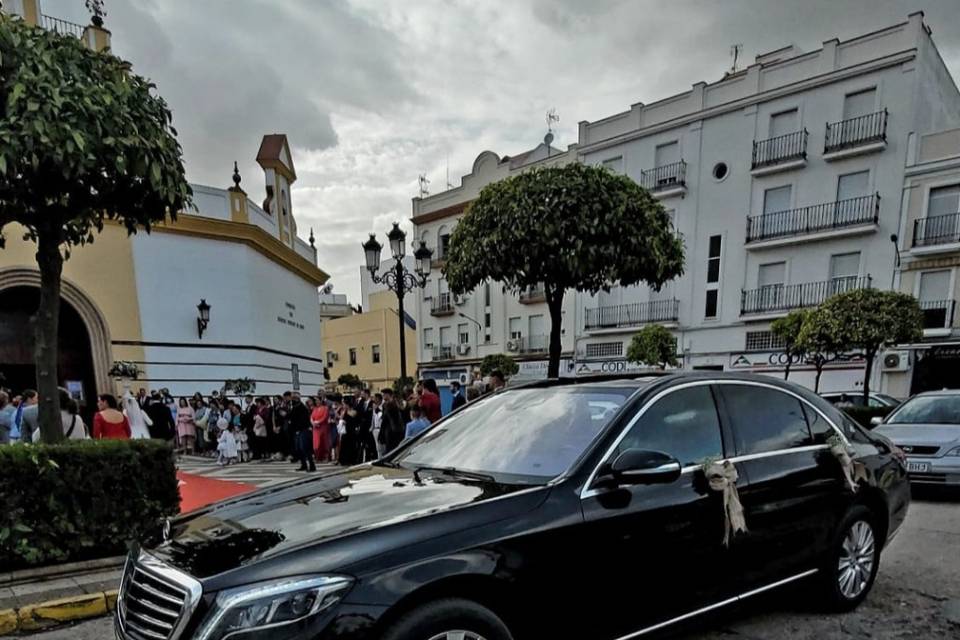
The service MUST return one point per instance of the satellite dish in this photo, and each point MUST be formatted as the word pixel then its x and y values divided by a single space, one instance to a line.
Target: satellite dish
pixel 548 139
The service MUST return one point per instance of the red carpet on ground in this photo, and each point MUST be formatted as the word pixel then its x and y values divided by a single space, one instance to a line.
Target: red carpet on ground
pixel 197 491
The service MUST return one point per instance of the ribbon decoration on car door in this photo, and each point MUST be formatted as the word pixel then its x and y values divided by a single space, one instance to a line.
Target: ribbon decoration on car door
pixel 853 470
pixel 722 478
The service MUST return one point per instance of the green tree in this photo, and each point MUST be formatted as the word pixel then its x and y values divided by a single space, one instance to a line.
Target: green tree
pixel 788 329
pixel 84 141
pixel 819 343
pixel 653 345
pixel 570 227
pixel 868 320
pixel 350 381
pixel 402 383
pixel 507 365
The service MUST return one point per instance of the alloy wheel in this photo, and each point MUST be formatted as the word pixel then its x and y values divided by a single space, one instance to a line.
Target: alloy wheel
pixel 856 559
pixel 458 635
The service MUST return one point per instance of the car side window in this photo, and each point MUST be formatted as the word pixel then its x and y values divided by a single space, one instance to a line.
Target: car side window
pixel 820 429
pixel 683 424
pixel 764 419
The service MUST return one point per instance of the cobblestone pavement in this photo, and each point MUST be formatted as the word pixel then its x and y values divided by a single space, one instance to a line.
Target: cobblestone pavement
pixel 916 595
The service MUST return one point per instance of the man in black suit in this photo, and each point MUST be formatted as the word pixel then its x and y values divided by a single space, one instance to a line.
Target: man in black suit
pixel 392 426
pixel 458 399
pixel 303 431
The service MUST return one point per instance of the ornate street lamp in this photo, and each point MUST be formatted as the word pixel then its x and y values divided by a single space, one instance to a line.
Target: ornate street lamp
pixel 204 318
pixel 398 279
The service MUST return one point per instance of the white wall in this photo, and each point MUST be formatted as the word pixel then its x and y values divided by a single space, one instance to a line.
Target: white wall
pixel 247 293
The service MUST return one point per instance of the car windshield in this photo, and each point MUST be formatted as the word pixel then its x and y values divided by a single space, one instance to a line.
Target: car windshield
pixel 928 410
pixel 890 400
pixel 524 436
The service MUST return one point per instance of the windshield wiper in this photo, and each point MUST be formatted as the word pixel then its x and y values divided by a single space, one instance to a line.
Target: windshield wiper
pixel 453 472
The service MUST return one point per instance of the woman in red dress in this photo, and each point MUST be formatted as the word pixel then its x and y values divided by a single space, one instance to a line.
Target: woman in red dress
pixel 109 423
pixel 320 419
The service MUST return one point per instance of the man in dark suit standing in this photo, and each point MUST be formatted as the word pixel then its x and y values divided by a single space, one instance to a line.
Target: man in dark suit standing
pixel 368 445
pixel 392 426
pixel 458 399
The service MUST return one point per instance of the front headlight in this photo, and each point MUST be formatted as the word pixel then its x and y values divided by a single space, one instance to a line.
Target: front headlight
pixel 954 452
pixel 271 604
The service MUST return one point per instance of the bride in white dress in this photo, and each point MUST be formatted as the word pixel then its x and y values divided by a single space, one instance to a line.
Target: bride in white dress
pixel 139 421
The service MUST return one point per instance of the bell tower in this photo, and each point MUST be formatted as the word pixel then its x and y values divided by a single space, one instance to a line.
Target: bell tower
pixel 277 163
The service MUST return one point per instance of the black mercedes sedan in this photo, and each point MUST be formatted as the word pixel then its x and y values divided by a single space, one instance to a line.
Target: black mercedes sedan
pixel 584 510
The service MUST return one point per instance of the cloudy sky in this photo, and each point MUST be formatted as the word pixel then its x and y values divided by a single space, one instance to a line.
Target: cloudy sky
pixel 373 92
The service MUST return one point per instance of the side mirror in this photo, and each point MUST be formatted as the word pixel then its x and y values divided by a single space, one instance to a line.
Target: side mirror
pixel 876 421
pixel 638 466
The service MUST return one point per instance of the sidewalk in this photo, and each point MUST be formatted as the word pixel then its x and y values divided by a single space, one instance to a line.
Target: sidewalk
pixel 33 599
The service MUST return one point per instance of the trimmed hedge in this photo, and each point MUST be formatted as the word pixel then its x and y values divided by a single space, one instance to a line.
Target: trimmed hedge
pixel 81 500
pixel 863 415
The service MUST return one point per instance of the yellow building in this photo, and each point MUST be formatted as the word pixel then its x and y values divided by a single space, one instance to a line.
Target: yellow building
pixel 139 298
pixel 368 344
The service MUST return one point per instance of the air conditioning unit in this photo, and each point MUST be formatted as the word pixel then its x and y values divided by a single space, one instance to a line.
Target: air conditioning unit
pixel 459 300
pixel 464 379
pixel 463 349
pixel 896 361
pixel 513 345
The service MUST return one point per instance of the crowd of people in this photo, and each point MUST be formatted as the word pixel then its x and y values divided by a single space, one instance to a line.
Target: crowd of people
pixel 347 429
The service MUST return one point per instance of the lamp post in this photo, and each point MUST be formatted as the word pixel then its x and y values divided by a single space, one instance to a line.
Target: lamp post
pixel 896 264
pixel 398 279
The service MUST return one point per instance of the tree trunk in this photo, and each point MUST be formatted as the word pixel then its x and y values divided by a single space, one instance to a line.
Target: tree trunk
pixel 555 304
pixel 47 325
pixel 786 372
pixel 816 383
pixel 869 354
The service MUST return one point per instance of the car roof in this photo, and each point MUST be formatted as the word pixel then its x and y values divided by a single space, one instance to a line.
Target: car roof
pixel 662 378
pixel 939 392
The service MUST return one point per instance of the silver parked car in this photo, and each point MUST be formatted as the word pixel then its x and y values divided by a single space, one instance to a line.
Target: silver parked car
pixel 855 398
pixel 927 428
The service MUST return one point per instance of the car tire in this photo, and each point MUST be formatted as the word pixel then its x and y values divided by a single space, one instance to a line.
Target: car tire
pixel 435 620
pixel 850 569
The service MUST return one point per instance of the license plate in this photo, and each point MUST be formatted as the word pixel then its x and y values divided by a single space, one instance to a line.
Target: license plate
pixel 918 467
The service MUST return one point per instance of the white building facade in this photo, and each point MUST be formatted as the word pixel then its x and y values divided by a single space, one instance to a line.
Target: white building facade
pixel 784 180
pixel 456 332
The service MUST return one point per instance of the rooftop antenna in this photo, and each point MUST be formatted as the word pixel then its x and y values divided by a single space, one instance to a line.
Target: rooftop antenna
pixel 552 118
pixel 735 51
pixel 422 179
pixel 449 186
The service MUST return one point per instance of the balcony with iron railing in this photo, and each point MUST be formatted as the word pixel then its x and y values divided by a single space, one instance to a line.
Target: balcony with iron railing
pixel 442 305
pixel 440 352
pixel 670 179
pixel 937 233
pixel 779 153
pixel 856 135
pixel 843 215
pixel 786 297
pixel 938 315
pixel 63 27
pixel 631 315
pixel 534 344
pixel 533 295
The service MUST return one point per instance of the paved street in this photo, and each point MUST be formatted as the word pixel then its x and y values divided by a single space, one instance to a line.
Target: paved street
pixel 919 581
pixel 260 474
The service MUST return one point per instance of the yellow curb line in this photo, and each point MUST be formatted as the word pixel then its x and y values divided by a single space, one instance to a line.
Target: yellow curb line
pixel 54 612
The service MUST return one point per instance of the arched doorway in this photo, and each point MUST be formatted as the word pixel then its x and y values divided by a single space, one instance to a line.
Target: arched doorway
pixel 85 325
pixel 74 355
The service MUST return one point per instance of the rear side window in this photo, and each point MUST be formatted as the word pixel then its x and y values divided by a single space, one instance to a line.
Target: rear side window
pixel 683 424
pixel 819 427
pixel 764 419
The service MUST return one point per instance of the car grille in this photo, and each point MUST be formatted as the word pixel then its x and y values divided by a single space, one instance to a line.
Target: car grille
pixel 920 450
pixel 933 478
pixel 154 601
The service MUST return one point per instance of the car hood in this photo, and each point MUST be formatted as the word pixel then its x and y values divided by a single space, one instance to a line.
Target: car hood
pixel 941 435
pixel 274 521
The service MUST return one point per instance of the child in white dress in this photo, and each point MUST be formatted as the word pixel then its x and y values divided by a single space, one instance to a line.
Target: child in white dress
pixel 243 446
pixel 227 446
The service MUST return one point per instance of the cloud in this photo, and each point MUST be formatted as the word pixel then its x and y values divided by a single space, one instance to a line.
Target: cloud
pixel 372 93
